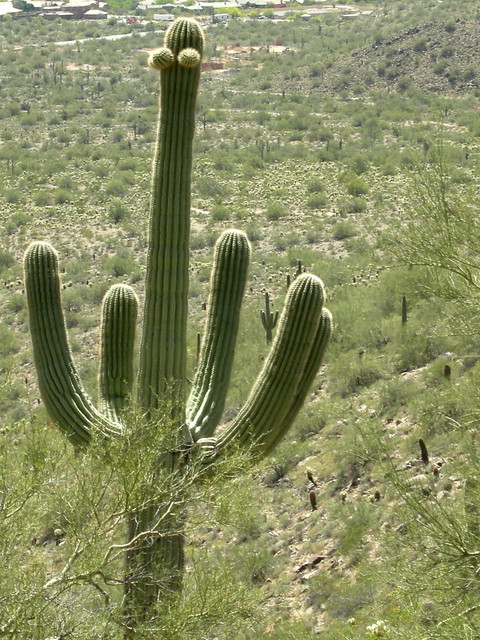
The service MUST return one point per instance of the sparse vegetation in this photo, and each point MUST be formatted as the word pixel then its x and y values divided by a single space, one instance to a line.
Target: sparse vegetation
pixel 353 148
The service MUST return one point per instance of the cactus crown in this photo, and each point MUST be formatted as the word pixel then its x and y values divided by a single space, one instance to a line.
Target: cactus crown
pixel 184 42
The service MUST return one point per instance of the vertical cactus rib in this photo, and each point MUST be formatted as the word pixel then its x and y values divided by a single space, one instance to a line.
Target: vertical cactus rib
pixel 274 399
pixel 163 347
pixel 115 377
pixel 312 366
pixel 60 386
pixel 228 281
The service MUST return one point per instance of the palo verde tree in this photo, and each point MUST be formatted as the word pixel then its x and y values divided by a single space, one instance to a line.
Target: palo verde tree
pixel 155 544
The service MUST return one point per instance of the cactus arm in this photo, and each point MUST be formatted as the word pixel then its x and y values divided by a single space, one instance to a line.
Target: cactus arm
pixel 62 392
pixel 163 345
pixel 312 366
pixel 228 281
pixel 275 397
pixel 115 377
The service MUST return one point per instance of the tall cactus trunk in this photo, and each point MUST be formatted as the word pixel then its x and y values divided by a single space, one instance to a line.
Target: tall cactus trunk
pixel 163 348
pixel 154 567
pixel 155 564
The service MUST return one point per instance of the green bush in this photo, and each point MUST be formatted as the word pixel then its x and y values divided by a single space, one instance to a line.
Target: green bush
pixel 420 45
pixel 12 196
pixel 356 187
pixel 344 229
pixel 275 210
pixel 220 213
pixel 6 259
pixel 358 164
pixel 42 198
pixel 317 201
pixel 447 52
pixel 115 188
pixel 117 211
pixel 355 205
pixel 62 196
pixel 315 186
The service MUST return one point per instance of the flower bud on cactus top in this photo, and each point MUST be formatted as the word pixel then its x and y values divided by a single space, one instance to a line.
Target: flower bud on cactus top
pixel 161 58
pixel 189 58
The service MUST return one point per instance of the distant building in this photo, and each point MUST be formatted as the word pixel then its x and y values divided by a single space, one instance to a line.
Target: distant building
pixel 163 17
pixel 53 15
pixel 211 7
pixel 95 14
pixel 7 9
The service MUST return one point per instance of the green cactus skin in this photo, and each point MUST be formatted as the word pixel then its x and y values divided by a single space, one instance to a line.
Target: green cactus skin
pixel 163 349
pixel 154 565
pixel 62 392
pixel 404 311
pixel 310 371
pixel 294 358
pixel 116 371
pixel 228 280
pixel 269 319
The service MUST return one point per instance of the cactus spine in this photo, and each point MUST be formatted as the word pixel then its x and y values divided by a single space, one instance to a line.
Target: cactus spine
pixel 277 395
pixel 268 318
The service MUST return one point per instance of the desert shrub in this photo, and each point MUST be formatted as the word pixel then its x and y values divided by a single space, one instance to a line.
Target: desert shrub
pixel 350 373
pixel 207 187
pixel 344 229
pixel 470 73
pixel 220 213
pixel 315 186
pixel 275 210
pixel 356 187
pixel 66 182
pixel 388 169
pixel 121 264
pixel 42 198
pixel 317 201
pixel 403 82
pixel 12 196
pixel 447 52
pixel 440 67
pixel 117 211
pixel 62 196
pixel 115 187
pixel 420 45
pixel 358 164
pixel 20 219
pixel 6 259
pixel 394 395
pixel 355 205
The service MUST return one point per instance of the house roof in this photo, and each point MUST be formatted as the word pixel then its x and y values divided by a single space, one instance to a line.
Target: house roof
pixel 230 4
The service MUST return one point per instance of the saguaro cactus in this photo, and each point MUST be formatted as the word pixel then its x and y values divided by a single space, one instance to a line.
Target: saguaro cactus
pixel 268 318
pixel 277 395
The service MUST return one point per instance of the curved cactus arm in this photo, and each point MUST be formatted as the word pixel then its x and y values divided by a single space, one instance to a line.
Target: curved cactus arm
pixel 163 345
pixel 275 397
pixel 62 392
pixel 311 369
pixel 115 376
pixel 228 281
pixel 268 318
